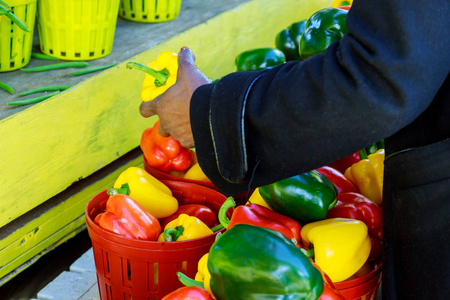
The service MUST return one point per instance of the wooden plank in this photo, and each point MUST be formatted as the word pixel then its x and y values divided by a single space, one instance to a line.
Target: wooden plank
pixel 55 143
pixel 130 39
pixel 53 226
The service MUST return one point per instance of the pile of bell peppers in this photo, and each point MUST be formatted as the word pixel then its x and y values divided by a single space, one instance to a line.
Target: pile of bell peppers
pixel 142 207
pixel 334 229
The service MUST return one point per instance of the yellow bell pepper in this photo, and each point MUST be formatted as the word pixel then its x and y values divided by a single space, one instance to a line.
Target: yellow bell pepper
pixel 337 3
pixel 256 198
pixel 195 173
pixel 160 74
pixel 340 246
pixel 367 175
pixel 203 274
pixel 184 228
pixel 147 190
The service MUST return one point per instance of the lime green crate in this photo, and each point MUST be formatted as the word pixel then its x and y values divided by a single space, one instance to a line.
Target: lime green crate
pixel 77 29
pixel 149 11
pixel 16 44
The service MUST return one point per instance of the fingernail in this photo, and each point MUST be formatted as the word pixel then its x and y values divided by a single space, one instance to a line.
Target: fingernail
pixel 184 48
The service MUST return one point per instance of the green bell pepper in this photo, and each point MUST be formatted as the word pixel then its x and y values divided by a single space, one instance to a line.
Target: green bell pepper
pixel 321 30
pixel 305 198
pixel 288 40
pixel 259 59
pixel 249 262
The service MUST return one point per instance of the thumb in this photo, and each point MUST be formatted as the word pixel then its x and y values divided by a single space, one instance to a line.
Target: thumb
pixel 186 62
pixel 148 108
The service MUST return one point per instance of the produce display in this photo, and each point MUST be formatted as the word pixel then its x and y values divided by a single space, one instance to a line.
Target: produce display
pixel 303 237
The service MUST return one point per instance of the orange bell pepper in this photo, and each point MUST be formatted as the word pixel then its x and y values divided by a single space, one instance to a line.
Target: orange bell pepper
pixel 126 217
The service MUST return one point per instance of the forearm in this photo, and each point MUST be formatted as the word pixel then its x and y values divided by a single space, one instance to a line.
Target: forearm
pixel 303 115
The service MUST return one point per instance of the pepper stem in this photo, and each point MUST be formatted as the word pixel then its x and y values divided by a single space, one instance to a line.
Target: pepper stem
pixel 186 281
pixel 309 253
pixel 124 189
pixel 160 76
pixel 172 234
pixel 363 154
pixel 332 204
pixel 217 228
pixel 222 216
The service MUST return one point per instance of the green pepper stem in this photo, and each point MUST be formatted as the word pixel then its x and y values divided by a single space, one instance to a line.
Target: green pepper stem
pixel 186 281
pixel 160 76
pixel 172 234
pixel 217 228
pixel 332 204
pixel 309 253
pixel 222 216
pixel 380 144
pixel 363 154
pixel 124 189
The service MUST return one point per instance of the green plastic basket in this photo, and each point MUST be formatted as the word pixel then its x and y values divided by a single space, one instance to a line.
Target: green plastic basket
pixel 149 11
pixel 77 29
pixel 16 44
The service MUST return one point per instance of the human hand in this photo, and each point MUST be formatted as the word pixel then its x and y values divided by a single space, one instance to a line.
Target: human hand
pixel 172 106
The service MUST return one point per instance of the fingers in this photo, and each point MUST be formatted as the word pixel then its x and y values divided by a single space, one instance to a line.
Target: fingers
pixel 162 131
pixel 148 109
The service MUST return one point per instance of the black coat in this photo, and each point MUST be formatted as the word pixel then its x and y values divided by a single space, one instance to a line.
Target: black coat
pixel 387 79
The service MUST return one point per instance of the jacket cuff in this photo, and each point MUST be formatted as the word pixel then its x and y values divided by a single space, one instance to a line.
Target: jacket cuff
pixel 218 128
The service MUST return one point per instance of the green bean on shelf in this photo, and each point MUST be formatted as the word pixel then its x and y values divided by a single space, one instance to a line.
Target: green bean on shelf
pixel 46 89
pixel 91 70
pixel 6 87
pixel 64 65
pixel 43 56
pixel 33 100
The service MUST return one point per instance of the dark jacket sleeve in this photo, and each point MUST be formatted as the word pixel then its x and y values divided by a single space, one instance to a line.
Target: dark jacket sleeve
pixel 254 128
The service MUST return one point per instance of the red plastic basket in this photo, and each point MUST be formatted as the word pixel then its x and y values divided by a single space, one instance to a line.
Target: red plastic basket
pixel 135 269
pixel 165 176
pixel 362 288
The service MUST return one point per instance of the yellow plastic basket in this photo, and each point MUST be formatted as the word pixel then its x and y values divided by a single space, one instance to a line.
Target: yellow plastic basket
pixel 16 44
pixel 149 11
pixel 77 29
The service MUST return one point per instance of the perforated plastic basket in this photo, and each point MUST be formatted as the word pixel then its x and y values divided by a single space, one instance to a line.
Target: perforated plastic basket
pixel 149 11
pixel 362 288
pixel 134 269
pixel 77 29
pixel 16 44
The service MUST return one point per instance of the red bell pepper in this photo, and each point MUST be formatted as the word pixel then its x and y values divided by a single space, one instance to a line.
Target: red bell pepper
pixel 330 292
pixel 164 153
pixel 202 212
pixel 376 249
pixel 128 218
pixel 342 183
pixel 344 163
pixel 188 293
pixel 359 207
pixel 258 215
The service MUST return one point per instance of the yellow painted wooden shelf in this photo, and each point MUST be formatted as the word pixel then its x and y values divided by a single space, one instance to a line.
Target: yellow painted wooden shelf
pixel 55 155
